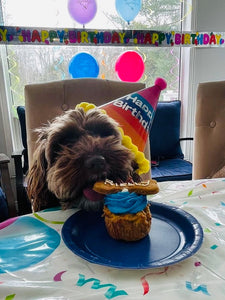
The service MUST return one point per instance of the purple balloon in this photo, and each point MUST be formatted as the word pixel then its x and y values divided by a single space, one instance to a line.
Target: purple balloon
pixel 82 11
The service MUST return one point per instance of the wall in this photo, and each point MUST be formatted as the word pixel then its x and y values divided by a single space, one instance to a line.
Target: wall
pixel 209 64
pixel 205 64
pixel 210 15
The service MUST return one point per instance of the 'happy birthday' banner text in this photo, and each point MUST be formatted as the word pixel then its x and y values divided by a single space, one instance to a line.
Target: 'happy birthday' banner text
pixel 90 37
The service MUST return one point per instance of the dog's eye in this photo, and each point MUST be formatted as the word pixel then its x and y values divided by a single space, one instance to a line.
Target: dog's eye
pixel 102 130
pixel 98 124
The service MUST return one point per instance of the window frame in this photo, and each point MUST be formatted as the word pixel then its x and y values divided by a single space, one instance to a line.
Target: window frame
pixel 11 129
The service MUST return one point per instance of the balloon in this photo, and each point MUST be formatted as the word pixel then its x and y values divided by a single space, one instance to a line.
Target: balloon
pixel 128 10
pixel 82 11
pixel 130 66
pixel 83 65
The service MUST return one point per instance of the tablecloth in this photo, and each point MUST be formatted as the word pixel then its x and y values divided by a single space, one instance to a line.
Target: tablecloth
pixel 35 263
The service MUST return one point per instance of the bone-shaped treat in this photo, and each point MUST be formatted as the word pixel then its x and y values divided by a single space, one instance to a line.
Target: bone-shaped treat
pixel 144 187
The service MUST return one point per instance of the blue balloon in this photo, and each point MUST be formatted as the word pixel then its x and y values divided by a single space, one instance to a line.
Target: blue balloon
pixel 83 65
pixel 127 9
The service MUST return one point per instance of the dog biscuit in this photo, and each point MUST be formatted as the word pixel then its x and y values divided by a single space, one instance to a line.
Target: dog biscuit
pixel 107 187
pixel 144 187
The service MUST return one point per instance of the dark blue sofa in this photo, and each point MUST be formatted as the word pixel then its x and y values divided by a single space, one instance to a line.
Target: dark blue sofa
pixel 166 154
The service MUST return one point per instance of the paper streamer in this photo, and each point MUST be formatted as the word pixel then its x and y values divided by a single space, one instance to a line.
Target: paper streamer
pixel 110 293
pixel 58 276
pixel 58 65
pixel 145 283
pixel 173 84
pixel 47 221
pixel 201 288
pixel 10 297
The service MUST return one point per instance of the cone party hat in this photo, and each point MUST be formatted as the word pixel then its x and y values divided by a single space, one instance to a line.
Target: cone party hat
pixel 135 112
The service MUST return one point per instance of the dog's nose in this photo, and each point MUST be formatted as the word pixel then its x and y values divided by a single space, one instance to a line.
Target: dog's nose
pixel 95 163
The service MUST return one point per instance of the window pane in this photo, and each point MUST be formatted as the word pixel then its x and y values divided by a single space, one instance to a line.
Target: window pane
pixel 40 64
pixel 35 64
pixel 154 14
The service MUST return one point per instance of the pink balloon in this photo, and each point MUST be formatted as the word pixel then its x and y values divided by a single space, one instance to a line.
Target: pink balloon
pixel 130 66
pixel 82 11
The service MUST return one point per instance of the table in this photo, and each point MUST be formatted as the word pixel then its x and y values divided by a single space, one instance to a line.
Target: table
pixel 57 273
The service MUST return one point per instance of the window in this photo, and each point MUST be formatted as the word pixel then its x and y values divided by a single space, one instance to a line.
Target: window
pixel 34 64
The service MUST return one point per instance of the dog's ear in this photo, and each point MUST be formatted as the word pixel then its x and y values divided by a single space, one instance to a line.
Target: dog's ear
pixel 65 129
pixel 37 189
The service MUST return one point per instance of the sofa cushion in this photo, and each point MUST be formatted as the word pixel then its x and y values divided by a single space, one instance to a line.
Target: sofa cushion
pixel 165 131
pixel 172 169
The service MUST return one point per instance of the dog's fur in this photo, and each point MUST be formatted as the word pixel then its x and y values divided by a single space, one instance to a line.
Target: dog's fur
pixel 73 152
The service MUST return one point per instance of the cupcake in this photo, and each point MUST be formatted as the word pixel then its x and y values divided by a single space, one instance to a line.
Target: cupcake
pixel 127 216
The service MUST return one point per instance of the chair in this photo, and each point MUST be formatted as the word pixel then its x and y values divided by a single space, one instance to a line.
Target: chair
pixel 7 200
pixel 209 137
pixel 45 101
pixel 168 161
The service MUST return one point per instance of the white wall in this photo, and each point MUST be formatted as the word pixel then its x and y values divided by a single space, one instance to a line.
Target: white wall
pixel 205 64
pixel 209 63
pixel 210 15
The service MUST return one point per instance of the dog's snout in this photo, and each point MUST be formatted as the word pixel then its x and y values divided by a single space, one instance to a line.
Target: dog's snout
pixel 96 163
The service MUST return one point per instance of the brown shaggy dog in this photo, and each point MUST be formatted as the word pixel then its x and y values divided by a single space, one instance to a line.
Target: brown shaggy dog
pixel 73 152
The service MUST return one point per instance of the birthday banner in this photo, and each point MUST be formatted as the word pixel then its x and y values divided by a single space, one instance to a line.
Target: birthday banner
pixel 91 37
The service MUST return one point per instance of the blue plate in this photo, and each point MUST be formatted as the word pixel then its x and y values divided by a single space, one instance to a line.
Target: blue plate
pixel 174 236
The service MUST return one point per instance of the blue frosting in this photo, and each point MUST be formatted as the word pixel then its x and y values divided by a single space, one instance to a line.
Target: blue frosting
pixel 125 202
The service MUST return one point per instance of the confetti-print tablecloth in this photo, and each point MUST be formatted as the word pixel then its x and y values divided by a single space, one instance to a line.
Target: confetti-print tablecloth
pixel 56 272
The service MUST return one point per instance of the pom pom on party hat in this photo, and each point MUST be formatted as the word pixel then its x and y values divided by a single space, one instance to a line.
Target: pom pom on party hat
pixel 135 112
